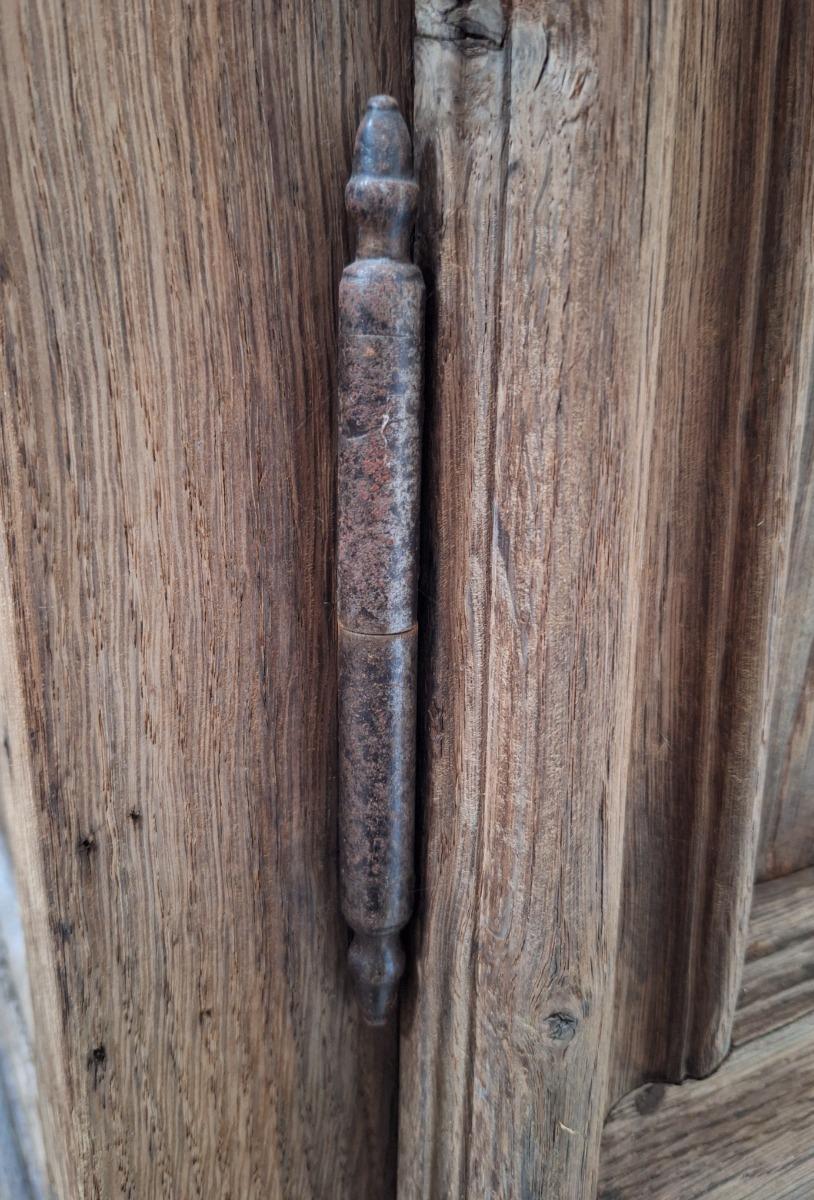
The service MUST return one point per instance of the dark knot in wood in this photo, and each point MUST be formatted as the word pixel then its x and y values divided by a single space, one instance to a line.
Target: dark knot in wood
pixel 381 307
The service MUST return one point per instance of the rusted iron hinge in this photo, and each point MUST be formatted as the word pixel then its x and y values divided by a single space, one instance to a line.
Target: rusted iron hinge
pixel 381 335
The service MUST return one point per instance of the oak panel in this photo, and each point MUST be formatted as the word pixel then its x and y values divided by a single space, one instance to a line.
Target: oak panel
pixel 785 368
pixel 778 974
pixel 610 478
pixel 742 1134
pixel 744 1131
pixel 172 236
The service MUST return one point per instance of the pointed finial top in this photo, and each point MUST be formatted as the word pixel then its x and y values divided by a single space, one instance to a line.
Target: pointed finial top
pixel 382 193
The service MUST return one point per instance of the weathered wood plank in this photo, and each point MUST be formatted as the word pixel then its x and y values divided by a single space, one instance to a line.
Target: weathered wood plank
pixel 787 833
pixel 609 508
pixel 172 235
pixel 461 163
pixel 781 913
pixel 718 529
pixel 778 977
pixel 746 1130
pixel 742 1134
pixel 533 204
pixel 786 367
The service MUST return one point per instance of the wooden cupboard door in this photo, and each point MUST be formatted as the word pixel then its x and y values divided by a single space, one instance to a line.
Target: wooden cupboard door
pixel 618 205
pixel 173 231
pixel 615 226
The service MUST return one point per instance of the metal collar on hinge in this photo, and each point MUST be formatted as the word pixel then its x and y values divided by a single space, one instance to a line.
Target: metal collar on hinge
pixel 381 336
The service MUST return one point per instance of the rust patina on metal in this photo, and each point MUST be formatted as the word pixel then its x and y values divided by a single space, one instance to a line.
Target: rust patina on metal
pixel 381 320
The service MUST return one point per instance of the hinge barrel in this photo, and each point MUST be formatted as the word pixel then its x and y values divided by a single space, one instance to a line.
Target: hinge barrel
pixel 381 335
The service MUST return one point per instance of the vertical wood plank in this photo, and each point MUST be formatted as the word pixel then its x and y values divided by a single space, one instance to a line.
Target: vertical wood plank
pixel 608 506
pixel 460 161
pixel 172 236
pixel 530 146
pixel 715 530
pixel 785 367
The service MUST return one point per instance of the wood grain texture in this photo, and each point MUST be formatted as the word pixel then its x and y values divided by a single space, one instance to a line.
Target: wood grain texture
pixel 746 1131
pixel 742 1134
pixel 172 237
pixel 610 482
pixel 723 478
pixel 787 830
pixel 531 166
pixel 778 976
pixel 787 363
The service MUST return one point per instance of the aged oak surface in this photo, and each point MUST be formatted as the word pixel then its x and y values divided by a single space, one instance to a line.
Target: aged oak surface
pixel 530 143
pixel 745 1131
pixel 787 830
pixel 778 975
pixel 615 207
pixel 731 393
pixel 742 1134
pixel 172 235
pixel 616 228
pixel 787 364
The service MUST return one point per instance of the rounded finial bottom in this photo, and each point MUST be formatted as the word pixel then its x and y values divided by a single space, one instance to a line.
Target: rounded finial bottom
pixel 376 962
